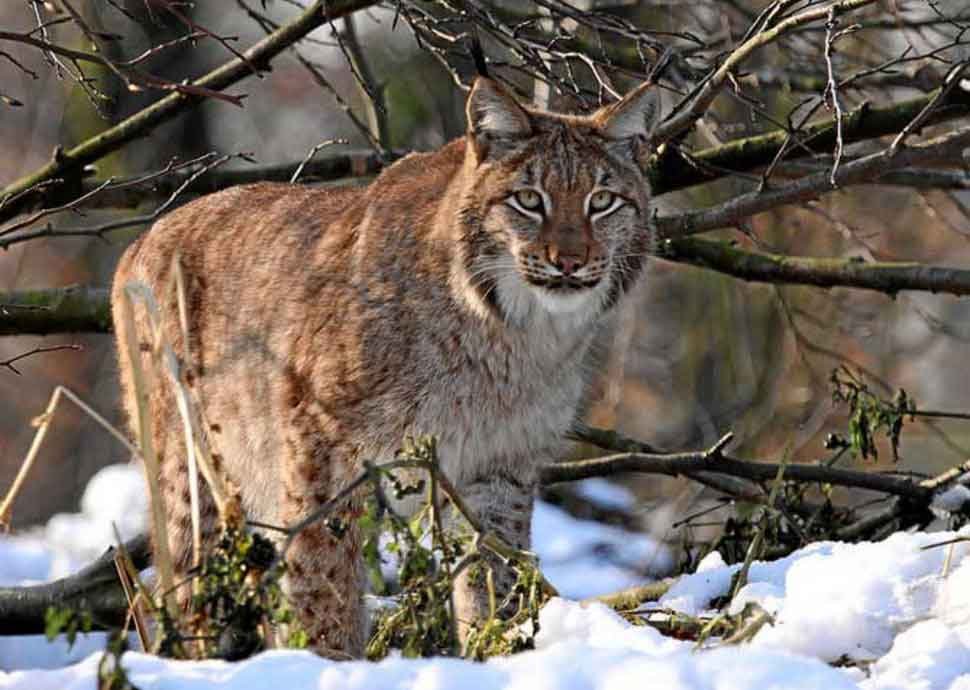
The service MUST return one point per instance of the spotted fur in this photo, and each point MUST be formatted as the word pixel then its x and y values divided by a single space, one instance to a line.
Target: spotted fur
pixel 327 324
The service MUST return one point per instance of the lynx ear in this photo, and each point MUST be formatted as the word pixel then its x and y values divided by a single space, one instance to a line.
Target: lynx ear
pixel 635 115
pixel 493 113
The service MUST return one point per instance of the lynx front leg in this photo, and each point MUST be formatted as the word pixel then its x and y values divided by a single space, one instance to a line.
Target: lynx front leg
pixel 503 507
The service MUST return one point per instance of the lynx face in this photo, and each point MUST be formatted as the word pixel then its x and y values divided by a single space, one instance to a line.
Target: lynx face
pixel 562 200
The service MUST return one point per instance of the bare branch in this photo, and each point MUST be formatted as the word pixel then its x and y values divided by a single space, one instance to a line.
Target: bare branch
pixel 670 172
pixel 9 363
pixel 70 163
pixel 886 277
pixel 715 461
pixel 698 103
pixel 135 191
pixel 372 91
pixel 16 234
pixel 675 170
pixel 946 148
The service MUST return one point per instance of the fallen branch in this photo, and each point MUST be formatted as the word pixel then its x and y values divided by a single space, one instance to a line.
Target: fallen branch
pixel 715 461
pixel 94 589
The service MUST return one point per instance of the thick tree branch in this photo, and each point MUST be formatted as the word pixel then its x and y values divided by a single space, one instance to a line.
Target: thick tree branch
pixel 68 165
pixel 74 309
pixel 887 277
pixel 86 309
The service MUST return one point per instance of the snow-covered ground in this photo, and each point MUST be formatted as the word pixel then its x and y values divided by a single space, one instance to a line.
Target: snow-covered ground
pixel 875 616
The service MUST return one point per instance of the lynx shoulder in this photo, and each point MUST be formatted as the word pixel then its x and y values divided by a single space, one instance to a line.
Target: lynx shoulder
pixel 459 295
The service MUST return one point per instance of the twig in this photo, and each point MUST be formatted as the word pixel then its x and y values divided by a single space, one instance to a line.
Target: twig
pixel 832 88
pixel 268 25
pixel 7 240
pixel 9 363
pixel 952 80
pixel 311 153
pixel 134 191
pixel 364 76
pixel 127 575
pixel 631 598
pixel 754 548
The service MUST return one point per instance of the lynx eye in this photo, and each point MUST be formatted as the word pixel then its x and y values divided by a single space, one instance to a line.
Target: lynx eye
pixel 601 200
pixel 529 199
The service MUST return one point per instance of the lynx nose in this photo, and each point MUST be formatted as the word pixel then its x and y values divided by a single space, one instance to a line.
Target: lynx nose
pixel 567 261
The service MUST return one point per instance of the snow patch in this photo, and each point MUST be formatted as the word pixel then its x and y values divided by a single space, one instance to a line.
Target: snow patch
pixel 898 610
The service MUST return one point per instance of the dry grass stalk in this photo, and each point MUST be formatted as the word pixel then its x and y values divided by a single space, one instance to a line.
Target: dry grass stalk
pixel 162 555
pixel 43 423
pixel 134 598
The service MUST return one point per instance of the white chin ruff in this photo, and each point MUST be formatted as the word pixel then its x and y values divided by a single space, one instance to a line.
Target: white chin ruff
pixel 565 302
pixel 523 302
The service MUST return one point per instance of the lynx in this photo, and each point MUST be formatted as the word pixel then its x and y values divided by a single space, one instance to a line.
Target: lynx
pixel 462 294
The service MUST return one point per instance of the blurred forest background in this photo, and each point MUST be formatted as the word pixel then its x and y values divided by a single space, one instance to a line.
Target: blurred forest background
pixel 700 353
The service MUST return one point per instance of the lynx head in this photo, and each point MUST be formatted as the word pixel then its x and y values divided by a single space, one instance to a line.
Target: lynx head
pixel 554 214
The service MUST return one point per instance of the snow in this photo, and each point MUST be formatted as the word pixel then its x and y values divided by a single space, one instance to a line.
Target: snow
pixel 952 500
pixel 898 612
pixel 113 499
pixel 584 559
pixel 606 494
pixel 585 648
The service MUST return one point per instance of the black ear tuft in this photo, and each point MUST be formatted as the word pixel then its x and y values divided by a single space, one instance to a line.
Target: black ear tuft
pixel 494 115
pixel 478 55
pixel 635 115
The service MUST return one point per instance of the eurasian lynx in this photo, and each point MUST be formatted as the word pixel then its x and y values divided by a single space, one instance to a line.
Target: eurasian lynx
pixel 461 295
